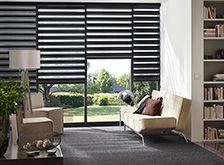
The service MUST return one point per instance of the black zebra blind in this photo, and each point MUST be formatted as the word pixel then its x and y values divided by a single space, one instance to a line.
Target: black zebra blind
pixel 146 43
pixel 61 40
pixel 17 31
pixel 67 34
pixel 109 31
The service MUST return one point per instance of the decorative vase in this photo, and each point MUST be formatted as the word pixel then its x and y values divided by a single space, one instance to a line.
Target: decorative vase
pixel 4 134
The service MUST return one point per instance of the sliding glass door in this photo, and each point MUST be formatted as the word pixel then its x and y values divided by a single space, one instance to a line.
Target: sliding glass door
pixel 106 79
pixel 75 37
pixel 68 96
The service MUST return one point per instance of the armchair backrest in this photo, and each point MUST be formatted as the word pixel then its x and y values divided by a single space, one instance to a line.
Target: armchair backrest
pixel 37 100
pixel 174 106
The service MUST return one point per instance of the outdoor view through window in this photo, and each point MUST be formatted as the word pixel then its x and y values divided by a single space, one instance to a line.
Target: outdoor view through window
pixel 106 78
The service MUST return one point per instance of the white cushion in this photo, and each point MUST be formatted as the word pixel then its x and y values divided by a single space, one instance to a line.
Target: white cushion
pixel 36 120
pixel 47 109
pixel 141 123
pixel 175 111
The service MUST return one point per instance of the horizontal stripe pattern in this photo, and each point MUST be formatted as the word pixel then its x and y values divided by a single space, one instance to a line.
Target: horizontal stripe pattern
pixel 61 39
pixel 17 31
pixel 67 34
pixel 146 43
pixel 109 31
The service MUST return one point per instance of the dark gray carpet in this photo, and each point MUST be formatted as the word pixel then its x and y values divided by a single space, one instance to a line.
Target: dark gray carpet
pixel 112 146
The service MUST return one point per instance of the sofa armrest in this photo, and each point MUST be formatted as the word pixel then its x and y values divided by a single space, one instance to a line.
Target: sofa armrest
pixel 126 110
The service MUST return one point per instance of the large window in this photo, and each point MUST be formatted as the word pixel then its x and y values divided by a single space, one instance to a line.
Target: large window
pixel 70 34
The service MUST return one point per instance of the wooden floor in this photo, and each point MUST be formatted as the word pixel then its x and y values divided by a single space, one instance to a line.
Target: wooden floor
pixel 215 147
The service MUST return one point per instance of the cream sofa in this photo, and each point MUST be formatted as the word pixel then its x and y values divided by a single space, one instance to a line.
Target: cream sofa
pixel 174 113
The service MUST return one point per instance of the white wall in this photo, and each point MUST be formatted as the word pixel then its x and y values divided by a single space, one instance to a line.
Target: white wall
pixel 176 50
pixel 176 47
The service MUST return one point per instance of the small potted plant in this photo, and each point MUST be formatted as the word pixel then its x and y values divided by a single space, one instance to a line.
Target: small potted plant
pixel 11 96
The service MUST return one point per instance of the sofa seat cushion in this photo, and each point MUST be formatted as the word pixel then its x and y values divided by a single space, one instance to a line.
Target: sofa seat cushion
pixel 126 110
pixel 141 123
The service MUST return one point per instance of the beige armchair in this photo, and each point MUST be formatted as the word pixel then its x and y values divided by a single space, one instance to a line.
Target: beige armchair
pixel 56 114
pixel 29 129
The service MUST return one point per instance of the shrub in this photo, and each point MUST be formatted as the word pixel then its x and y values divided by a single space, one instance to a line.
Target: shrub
pixel 71 100
pixel 54 101
pixel 95 99
pixel 68 100
pixel 102 100
pixel 112 99
pixel 89 99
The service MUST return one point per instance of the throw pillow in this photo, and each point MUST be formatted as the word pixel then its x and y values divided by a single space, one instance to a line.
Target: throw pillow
pixel 153 107
pixel 142 104
pixel 143 100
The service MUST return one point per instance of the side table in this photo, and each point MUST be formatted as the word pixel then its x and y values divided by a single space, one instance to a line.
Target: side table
pixel 15 156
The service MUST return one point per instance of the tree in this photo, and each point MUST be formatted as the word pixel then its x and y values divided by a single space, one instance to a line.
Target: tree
pixel 124 81
pixel 62 87
pixel 45 90
pixel 143 88
pixel 77 88
pixel 74 88
pixel 104 81
pixel 91 84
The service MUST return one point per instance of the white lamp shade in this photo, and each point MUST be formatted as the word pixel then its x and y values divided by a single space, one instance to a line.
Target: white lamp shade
pixel 24 59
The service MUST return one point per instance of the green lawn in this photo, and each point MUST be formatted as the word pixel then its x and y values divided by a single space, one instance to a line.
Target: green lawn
pixel 95 113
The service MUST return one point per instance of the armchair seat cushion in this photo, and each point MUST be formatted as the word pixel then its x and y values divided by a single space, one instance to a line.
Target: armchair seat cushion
pixel 141 123
pixel 36 120
pixel 34 128
pixel 56 114
pixel 47 112
pixel 46 109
